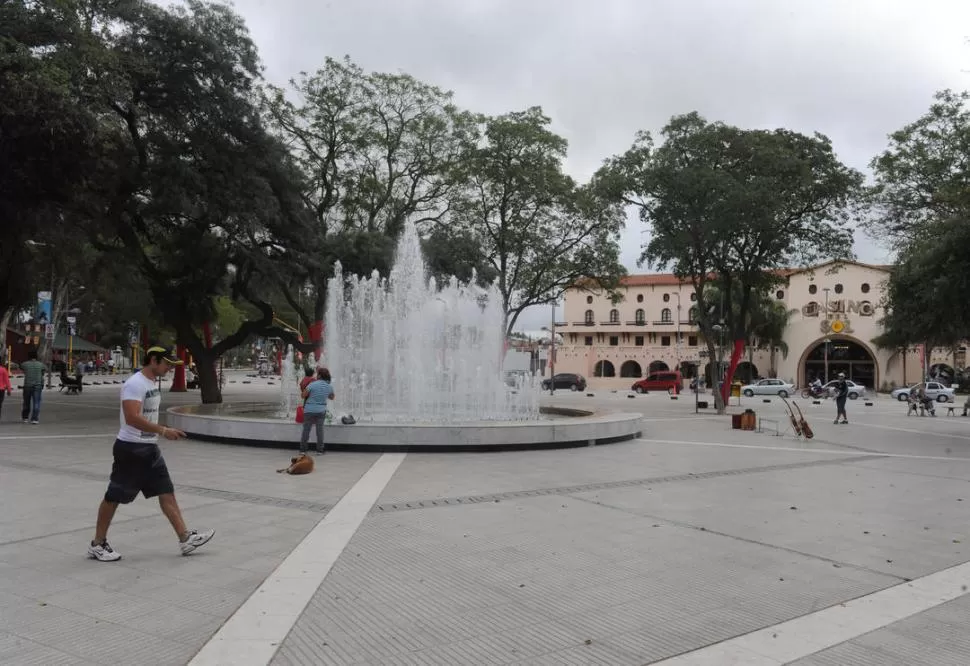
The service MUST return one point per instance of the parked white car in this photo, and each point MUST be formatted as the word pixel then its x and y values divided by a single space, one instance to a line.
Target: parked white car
pixel 855 390
pixel 934 390
pixel 768 387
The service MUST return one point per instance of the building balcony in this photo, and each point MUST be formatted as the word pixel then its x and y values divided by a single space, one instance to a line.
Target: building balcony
pixel 637 323
pixel 663 323
pixel 609 323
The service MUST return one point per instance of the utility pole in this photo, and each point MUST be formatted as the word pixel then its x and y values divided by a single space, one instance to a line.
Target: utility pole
pixel 552 351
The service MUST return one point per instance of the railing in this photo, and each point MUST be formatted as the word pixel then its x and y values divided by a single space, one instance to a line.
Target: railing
pixel 669 322
pixel 642 322
pixel 583 323
pixel 609 323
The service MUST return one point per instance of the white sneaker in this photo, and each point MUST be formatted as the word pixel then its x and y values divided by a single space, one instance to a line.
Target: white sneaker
pixel 34 422
pixel 195 540
pixel 103 552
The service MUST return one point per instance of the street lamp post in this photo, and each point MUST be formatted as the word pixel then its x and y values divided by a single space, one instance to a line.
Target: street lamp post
pixel 719 329
pixel 677 294
pixel 552 351
pixel 825 351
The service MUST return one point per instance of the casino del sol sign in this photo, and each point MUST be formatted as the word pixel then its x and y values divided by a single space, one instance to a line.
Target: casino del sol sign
pixel 836 319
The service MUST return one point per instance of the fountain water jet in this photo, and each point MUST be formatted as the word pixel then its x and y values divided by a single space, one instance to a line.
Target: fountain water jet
pixel 402 349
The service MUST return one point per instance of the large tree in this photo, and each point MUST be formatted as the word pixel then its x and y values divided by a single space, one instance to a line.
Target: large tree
pixel 376 150
pixel 735 205
pixel 923 177
pixel 46 145
pixel 539 231
pixel 922 209
pixel 191 191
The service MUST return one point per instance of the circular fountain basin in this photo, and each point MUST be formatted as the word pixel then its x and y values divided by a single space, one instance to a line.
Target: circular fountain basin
pixel 250 424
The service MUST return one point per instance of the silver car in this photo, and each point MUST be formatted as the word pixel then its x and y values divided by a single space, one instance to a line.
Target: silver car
pixel 934 390
pixel 855 390
pixel 768 387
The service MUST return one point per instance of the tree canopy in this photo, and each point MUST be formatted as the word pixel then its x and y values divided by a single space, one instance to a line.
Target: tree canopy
pixel 536 228
pixel 735 206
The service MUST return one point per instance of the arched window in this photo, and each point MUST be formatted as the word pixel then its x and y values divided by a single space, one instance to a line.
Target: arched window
pixel 589 317
pixel 630 369
pixel 614 316
pixel 641 317
pixel 811 309
pixel 665 316
pixel 692 315
pixel 604 369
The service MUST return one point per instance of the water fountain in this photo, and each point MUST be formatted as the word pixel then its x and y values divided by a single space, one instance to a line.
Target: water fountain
pixel 401 349
pixel 419 366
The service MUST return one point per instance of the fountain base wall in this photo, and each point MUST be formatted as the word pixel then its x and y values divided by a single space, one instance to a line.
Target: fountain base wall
pixel 228 424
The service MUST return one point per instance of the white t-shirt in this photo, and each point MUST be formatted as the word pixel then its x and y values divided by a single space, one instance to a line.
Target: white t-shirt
pixel 144 390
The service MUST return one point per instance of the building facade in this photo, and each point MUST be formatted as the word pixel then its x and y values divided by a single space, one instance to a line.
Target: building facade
pixel 836 309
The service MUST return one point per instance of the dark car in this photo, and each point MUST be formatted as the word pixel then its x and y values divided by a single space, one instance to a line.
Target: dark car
pixel 566 380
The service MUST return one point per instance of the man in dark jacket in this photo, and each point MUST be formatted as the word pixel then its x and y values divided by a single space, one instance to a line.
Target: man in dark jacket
pixel 841 395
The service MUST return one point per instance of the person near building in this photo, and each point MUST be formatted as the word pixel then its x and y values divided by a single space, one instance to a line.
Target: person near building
pixel 307 379
pixel 315 397
pixel 79 374
pixel 33 387
pixel 841 395
pixel 6 388
pixel 138 463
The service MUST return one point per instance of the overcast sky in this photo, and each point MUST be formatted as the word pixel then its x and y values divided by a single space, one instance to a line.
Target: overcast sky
pixel 854 70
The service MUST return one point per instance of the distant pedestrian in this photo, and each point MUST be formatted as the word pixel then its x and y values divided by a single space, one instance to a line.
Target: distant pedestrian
pixel 6 388
pixel 79 374
pixel 315 397
pixel 841 395
pixel 138 462
pixel 33 387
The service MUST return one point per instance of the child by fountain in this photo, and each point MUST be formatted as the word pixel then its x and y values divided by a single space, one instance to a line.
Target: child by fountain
pixel 315 397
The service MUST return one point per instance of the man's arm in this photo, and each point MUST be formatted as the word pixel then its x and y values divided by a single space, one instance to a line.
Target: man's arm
pixel 133 417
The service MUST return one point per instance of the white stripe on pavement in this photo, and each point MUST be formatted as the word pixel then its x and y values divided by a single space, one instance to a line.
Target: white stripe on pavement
pixel 256 630
pixel 795 639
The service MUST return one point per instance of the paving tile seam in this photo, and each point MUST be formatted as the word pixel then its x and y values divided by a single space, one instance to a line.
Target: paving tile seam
pixel 67 650
pixel 114 523
pixel 391 507
pixel 231 495
pixel 707 530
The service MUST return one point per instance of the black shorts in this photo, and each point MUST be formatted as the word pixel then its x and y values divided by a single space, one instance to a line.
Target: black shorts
pixel 137 468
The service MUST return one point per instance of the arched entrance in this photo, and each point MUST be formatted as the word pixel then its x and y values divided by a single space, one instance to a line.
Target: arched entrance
pixel 746 372
pixel 844 354
pixel 604 369
pixel 658 366
pixel 941 372
pixel 630 369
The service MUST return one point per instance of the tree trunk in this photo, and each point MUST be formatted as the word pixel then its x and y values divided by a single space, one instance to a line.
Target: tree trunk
pixel 207 365
pixel 719 402
pixel 772 359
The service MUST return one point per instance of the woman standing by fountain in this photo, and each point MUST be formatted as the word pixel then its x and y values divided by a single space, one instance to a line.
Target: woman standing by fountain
pixel 315 397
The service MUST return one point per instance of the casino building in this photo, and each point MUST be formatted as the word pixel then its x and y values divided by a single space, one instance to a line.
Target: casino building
pixel 837 308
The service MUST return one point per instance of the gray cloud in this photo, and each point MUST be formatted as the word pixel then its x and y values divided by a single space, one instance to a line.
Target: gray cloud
pixel 854 71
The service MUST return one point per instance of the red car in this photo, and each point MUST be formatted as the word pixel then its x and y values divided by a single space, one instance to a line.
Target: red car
pixel 659 381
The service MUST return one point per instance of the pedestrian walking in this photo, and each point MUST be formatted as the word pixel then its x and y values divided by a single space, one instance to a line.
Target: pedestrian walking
pixel 33 387
pixel 841 395
pixel 6 388
pixel 138 463
pixel 315 397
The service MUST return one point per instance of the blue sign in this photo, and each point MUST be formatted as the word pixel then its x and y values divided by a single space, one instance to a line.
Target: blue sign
pixel 43 314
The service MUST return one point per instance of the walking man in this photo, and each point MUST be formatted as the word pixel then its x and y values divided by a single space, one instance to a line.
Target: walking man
pixel 33 387
pixel 841 395
pixel 138 462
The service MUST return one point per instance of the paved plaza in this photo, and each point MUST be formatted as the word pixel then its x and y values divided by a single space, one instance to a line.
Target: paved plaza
pixel 696 544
